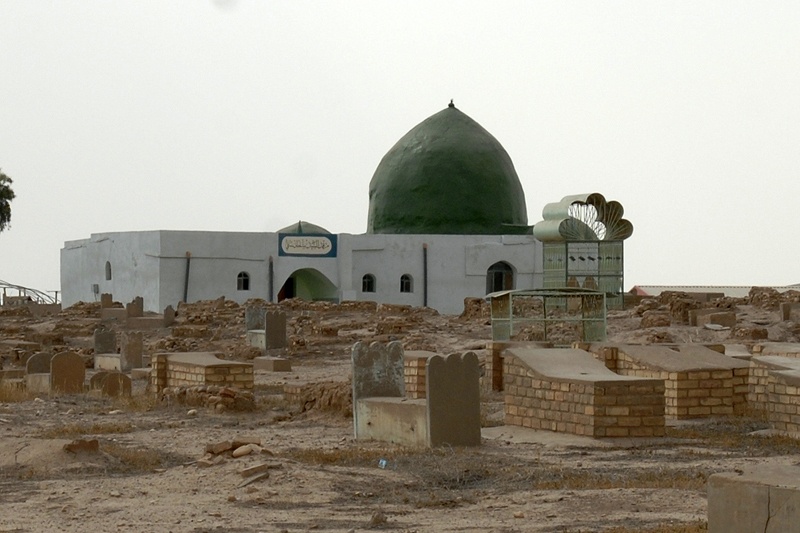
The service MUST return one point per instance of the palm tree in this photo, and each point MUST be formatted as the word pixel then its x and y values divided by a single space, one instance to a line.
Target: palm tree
pixel 6 195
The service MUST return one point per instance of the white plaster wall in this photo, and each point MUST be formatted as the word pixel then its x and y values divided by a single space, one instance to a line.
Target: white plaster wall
pixel 457 266
pixel 217 258
pixel 134 267
pixel 153 265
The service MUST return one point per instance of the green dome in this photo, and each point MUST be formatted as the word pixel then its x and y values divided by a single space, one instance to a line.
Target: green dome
pixel 447 175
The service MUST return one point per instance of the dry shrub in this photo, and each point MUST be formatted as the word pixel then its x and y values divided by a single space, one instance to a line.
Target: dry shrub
pixel 735 435
pixel 140 403
pixel 78 429
pixel 11 394
pixel 134 459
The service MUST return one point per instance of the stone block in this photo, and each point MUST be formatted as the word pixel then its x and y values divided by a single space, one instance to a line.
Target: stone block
pixel 131 348
pixel 272 364
pixel 257 338
pixel 38 383
pixel 105 340
pixel 764 499
pixel 135 308
pixel 107 361
pixel 275 329
pixel 255 317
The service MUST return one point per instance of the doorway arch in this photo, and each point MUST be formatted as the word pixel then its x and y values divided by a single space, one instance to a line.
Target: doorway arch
pixel 499 277
pixel 309 284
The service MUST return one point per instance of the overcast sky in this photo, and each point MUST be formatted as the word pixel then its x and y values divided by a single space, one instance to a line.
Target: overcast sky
pixel 251 115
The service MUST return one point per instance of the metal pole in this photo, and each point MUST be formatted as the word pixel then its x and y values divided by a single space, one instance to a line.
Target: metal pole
pixel 424 274
pixel 186 279
pixel 271 279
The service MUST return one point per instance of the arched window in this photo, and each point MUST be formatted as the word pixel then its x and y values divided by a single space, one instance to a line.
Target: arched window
pixel 406 283
pixel 368 283
pixel 243 281
pixel 499 277
pixel 108 270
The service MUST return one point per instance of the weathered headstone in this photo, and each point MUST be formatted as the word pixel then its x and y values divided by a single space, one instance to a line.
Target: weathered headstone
pixel 131 351
pixel 105 340
pixel 38 363
pixel 275 329
pixel 67 373
pixel 454 404
pixel 136 307
pixel 169 316
pixel 378 370
pixel 254 317
pixel 106 300
pixel 116 384
pixel 37 373
pixel 96 381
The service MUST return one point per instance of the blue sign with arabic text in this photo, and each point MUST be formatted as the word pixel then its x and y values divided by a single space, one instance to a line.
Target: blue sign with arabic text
pixel 306 245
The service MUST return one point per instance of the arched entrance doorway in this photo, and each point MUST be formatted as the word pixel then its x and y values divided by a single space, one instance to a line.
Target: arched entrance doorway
pixel 308 284
pixel 499 277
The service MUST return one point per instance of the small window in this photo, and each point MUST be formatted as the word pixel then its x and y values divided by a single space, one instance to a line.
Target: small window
pixel 108 270
pixel 243 281
pixel 406 283
pixel 368 283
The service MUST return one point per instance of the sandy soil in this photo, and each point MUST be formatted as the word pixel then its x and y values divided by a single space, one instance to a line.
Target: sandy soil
pixel 148 472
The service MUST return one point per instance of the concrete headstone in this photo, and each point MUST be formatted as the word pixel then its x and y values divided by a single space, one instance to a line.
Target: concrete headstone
pixel 131 351
pixel 254 317
pixel 105 341
pixel 454 404
pixel 169 316
pixel 67 373
pixel 38 363
pixel 378 370
pixel 136 307
pixel 275 329
pixel 116 384
pixel 106 300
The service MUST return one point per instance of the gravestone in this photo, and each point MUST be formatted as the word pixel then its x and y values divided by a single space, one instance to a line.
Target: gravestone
pixel 37 373
pixel 135 309
pixel 38 363
pixel 169 316
pixel 115 384
pixel 106 300
pixel 275 329
pixel 96 381
pixel 254 317
pixel 105 340
pixel 131 351
pixel 378 370
pixel 67 373
pixel 454 403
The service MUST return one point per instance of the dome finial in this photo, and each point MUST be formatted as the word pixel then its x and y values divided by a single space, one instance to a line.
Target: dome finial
pixel 451 104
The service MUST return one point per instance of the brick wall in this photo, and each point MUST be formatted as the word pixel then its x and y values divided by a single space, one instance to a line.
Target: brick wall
pixel 166 373
pixel 414 376
pixel 596 409
pixel 689 394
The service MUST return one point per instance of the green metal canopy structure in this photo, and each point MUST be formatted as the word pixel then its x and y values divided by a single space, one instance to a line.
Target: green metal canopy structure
pixel 447 176
pixel 582 238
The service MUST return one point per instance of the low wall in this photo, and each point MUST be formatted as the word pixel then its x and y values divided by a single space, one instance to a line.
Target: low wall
pixel 198 368
pixel 578 398
pixel 775 390
pixel 699 382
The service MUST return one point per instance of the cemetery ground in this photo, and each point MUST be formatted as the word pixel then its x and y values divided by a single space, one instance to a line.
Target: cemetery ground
pixel 82 462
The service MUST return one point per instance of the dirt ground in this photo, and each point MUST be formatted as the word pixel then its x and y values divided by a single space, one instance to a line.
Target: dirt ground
pixel 149 469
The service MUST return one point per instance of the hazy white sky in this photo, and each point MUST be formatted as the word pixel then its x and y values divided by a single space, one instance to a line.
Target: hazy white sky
pixel 250 115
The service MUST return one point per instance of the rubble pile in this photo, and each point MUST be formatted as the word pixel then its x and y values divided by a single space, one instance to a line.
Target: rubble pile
pixel 210 396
